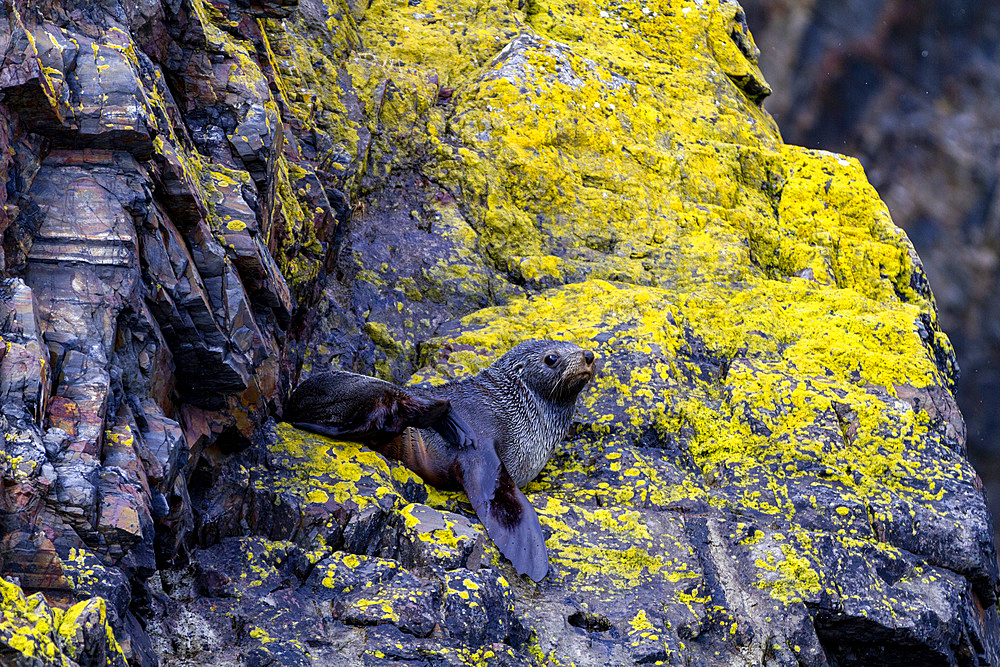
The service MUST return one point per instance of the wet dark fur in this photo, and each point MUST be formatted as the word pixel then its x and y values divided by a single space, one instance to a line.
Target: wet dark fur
pixel 489 434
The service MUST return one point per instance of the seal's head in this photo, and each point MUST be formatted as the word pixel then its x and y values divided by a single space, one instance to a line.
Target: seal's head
pixel 555 370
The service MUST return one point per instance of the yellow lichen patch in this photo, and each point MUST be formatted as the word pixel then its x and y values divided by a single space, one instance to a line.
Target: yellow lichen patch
pixel 317 496
pixel 319 470
pixel 42 634
pixel 622 523
pixel 375 610
pixel 487 656
pixel 83 569
pixel 602 554
pixel 443 499
pixel 345 572
pixel 640 622
pixel 444 539
pixel 28 623
pixel 261 559
pixel 262 636
pixel 455 39
pixel 462 587
pixel 788 575
pixel 404 475
pixel 82 618
pixel 832 222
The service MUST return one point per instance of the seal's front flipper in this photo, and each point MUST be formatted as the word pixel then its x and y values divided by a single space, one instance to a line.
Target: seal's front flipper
pixel 437 414
pixel 503 508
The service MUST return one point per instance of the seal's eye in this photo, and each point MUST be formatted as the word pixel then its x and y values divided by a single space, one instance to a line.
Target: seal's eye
pixel 551 359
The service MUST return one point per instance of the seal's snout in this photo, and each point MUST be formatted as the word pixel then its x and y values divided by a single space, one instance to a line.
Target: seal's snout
pixel 588 368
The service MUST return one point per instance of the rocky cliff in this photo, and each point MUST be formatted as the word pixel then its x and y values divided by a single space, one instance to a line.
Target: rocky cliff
pixel 207 200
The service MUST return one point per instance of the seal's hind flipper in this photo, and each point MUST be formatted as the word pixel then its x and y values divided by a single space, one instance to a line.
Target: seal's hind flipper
pixel 503 508
pixel 437 414
pixel 329 431
pixel 453 428
pixel 365 409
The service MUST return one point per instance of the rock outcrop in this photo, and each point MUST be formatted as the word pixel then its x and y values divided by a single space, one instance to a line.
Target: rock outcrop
pixel 882 82
pixel 208 200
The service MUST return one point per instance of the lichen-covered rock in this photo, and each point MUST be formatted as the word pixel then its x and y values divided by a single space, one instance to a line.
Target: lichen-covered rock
pixel 344 558
pixel 863 85
pixel 34 633
pixel 772 433
pixel 207 201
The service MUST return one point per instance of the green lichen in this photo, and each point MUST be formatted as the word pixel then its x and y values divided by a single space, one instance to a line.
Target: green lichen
pixel 380 335
pixel 298 255
pixel 308 57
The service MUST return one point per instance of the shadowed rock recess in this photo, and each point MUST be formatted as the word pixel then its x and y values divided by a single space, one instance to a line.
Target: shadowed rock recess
pixel 208 200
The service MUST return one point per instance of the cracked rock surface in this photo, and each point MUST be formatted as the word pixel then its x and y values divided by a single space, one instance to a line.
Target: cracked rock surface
pixel 208 200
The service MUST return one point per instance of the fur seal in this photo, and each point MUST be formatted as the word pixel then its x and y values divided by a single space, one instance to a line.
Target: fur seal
pixel 489 434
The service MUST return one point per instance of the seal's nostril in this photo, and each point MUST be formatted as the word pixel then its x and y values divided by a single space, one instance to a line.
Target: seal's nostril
pixel 588 356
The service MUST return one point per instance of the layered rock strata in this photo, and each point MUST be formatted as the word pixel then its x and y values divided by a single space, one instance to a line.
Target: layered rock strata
pixel 208 200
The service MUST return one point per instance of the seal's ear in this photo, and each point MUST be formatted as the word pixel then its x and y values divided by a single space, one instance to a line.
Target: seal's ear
pixel 503 508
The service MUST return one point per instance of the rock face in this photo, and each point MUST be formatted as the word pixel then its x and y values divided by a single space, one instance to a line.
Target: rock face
pixel 208 200
pixel 880 80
